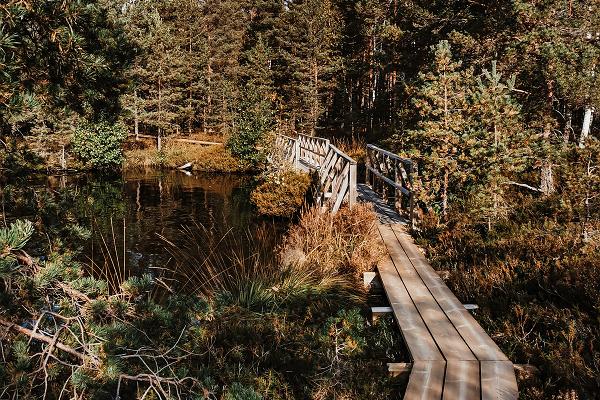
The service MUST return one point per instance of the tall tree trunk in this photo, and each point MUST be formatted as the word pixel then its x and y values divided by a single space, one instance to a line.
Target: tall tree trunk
pixel 315 97
pixel 445 193
pixel 159 141
pixel 546 174
pixel 190 98
pixel 136 116
pixel 568 126
pixel 588 118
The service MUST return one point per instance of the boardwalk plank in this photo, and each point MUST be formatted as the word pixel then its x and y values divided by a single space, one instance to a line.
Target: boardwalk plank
pixel 419 341
pixel 462 380
pixel 446 336
pixel 426 381
pixel 478 340
pixel 498 381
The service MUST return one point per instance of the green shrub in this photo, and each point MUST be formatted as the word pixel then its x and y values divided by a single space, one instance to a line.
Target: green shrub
pixel 254 120
pixel 100 145
pixel 240 392
pixel 282 193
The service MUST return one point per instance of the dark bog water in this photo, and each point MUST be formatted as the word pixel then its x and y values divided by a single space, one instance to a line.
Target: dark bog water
pixel 130 219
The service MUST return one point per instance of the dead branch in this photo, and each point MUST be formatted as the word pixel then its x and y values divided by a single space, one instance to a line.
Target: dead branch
pixel 524 185
pixel 49 340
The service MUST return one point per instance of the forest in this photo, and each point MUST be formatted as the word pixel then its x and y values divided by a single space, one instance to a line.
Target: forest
pixel 496 103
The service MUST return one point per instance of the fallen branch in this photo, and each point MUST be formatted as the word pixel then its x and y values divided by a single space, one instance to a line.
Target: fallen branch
pixel 49 340
pixel 524 185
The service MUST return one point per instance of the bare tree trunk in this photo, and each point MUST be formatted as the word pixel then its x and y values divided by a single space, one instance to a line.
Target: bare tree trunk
pixel 315 100
pixel 136 117
pixel 546 175
pixel 568 126
pixel 445 194
pixel 588 118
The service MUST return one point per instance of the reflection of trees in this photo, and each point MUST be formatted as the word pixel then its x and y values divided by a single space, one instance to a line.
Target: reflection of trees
pixel 126 215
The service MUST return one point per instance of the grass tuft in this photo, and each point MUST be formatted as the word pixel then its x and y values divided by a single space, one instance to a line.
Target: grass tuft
pixel 344 243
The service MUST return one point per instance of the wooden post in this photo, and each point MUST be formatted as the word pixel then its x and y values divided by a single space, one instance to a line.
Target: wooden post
pixel 397 193
pixel 411 197
pixel 367 165
pixel 63 159
pixel 352 184
pixel 297 153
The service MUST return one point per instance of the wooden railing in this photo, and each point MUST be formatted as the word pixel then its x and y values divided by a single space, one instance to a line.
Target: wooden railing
pixel 313 150
pixel 337 179
pixel 336 171
pixel 391 177
pixel 286 149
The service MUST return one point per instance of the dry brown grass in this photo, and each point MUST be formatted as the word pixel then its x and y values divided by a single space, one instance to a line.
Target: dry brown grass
pixel 344 243
pixel 174 154
pixel 355 148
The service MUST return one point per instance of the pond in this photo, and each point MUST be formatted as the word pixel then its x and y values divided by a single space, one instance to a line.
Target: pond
pixel 130 224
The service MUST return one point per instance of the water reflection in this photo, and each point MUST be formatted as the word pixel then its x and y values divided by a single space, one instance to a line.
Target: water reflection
pixel 131 216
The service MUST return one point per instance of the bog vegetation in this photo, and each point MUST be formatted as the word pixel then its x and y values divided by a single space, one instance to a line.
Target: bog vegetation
pixel 239 325
pixel 496 103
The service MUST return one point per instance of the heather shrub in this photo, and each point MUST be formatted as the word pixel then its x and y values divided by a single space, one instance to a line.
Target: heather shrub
pixel 281 193
pixel 537 283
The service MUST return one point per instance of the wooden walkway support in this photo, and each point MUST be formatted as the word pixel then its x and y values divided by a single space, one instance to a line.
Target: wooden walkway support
pixel 453 357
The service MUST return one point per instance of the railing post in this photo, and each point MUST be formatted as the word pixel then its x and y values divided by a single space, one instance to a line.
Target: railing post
pixel 397 193
pixel 297 153
pixel 352 186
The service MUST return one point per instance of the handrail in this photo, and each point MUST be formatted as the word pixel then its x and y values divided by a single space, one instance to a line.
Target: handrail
pixel 386 168
pixel 342 154
pixel 337 179
pixel 337 172
pixel 287 150
pixel 389 181
pixel 389 154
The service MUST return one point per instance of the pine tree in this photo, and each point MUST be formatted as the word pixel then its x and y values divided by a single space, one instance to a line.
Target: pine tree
pixel 310 39
pixel 436 143
pixel 254 118
pixel 495 144
pixel 87 54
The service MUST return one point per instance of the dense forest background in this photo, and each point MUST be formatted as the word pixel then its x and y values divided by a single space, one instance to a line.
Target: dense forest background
pixel 494 101
pixel 344 67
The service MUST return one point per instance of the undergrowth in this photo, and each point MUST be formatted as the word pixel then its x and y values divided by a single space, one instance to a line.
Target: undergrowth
pixel 229 325
pixel 537 283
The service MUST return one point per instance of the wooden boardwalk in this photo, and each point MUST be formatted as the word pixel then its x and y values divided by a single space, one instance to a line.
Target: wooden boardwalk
pixel 453 357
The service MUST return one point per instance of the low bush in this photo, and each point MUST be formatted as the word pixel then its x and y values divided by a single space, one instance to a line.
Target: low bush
pixel 100 145
pixel 281 193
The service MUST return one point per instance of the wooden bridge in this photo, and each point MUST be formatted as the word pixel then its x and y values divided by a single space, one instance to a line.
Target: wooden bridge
pixel 453 357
